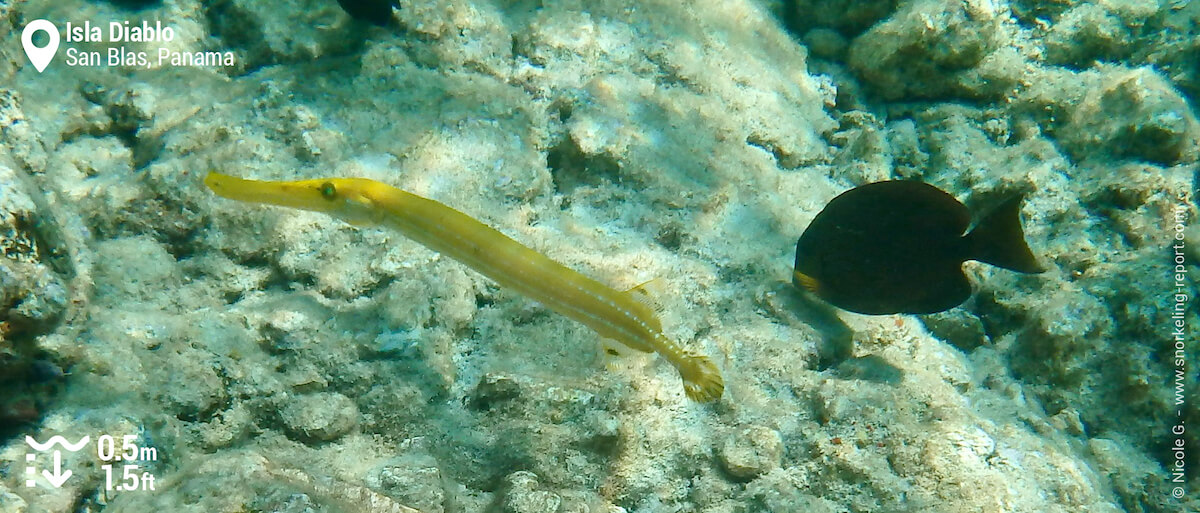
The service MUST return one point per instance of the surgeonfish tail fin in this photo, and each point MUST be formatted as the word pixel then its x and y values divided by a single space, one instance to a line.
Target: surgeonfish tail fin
pixel 999 240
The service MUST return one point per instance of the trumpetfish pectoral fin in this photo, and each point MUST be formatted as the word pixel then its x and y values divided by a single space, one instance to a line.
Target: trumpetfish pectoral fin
pixel 647 293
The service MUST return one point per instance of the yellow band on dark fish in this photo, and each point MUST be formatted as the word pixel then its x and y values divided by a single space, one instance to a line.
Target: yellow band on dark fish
pixel 805 281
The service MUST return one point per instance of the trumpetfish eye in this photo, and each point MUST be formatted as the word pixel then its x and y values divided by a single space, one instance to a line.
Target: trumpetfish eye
pixel 328 191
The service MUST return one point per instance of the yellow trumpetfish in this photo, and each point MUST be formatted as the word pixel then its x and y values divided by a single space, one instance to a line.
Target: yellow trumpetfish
pixel 614 314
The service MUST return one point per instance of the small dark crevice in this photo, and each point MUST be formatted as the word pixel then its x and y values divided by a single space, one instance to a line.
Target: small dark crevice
pixel 31 380
pixel 672 236
pixel 571 168
pixel 276 279
pixel 232 296
pixel 515 47
pixel 671 75
pixel 378 288
pixel 127 119
pixel 847 18
pixel 564 109
pixel 482 301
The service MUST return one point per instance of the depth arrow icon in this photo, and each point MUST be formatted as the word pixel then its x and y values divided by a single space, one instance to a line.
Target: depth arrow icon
pixel 58 477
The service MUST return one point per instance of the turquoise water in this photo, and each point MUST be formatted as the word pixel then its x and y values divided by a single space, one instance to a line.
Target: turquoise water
pixel 199 353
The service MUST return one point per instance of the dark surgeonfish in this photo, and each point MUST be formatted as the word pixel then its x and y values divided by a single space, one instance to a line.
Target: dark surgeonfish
pixel 898 247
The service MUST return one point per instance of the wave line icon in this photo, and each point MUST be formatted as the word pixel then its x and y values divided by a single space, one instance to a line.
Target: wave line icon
pixel 56 439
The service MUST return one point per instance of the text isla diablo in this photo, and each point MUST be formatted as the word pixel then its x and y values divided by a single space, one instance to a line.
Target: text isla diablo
pixel 118 32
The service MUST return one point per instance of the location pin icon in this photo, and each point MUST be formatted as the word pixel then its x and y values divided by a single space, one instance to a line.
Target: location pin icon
pixel 40 57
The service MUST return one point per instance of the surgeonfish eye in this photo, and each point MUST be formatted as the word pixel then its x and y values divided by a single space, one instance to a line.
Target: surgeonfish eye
pixel 328 191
